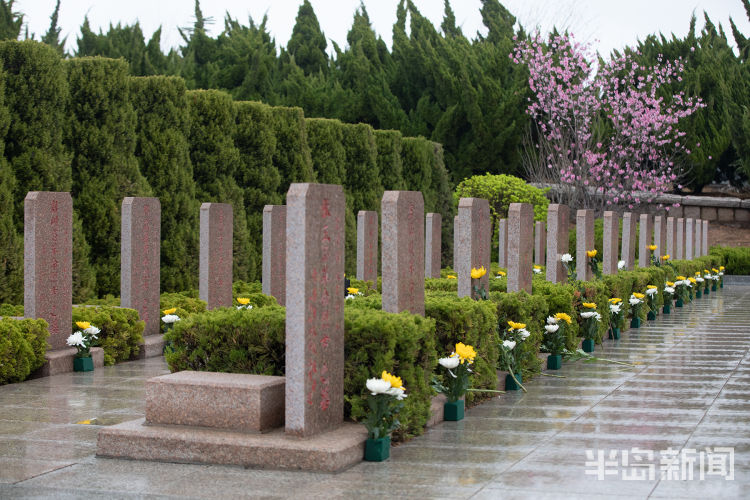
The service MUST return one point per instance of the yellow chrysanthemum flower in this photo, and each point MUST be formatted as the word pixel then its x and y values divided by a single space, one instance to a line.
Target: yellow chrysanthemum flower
pixel 451 277
pixel 537 267
pixel 651 247
pixel 705 271
pixel 638 295
pixel 714 270
pixel 516 326
pixel 589 305
pixel 501 273
pixel 564 317
pixel 652 287
pixel 697 273
pixel 352 290
pixel 693 280
pixel 83 324
pixel 615 300
pixel 681 278
pixel 478 273
pixel 170 311
pixel 591 253
pixel 721 268
pixel 243 300
pixel 465 352
pixel 395 381
pixel 665 257
pixel 670 283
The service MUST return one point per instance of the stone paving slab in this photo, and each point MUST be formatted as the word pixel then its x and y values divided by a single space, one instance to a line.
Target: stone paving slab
pixel 688 390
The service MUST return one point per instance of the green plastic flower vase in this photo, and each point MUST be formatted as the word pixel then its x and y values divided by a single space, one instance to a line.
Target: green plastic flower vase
pixel 510 384
pixel 706 291
pixel 83 364
pixel 554 361
pixel 651 316
pixel 614 333
pixel 587 345
pixel 453 411
pixel 377 450
pixel 698 294
pixel 722 285
pixel 678 303
pixel 667 309
pixel 635 323
pixel 713 287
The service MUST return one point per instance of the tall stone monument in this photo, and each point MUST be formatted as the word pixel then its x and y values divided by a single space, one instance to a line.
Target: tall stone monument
pixel 584 243
pixel 474 243
pixel 628 240
pixel 367 246
pixel 215 257
pixel 558 220
pixel 611 242
pixel 520 242
pixel 274 252
pixel 432 245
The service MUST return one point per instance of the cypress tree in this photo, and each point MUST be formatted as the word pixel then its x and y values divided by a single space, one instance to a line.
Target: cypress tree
pixel 256 176
pixel 10 22
pixel 325 138
pixel 216 160
pixel 292 154
pixel 163 155
pixel 11 245
pixel 52 37
pixel 101 135
pixel 388 143
pixel 308 44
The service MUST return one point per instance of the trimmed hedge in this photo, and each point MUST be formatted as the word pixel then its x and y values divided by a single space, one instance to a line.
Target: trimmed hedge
pixel 736 259
pixel 23 344
pixel 121 330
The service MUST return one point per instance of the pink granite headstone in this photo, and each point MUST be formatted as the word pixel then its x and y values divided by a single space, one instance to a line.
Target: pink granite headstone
pixel 520 246
pixel 475 240
pixel 432 242
pixel 502 243
pixel 610 242
pixel 704 246
pixel 671 237
pixel 584 243
pixel 140 259
pixel 274 252
pixel 455 242
pixel 628 240
pixel 689 239
pixel 698 243
pixel 315 308
pixel 215 276
pixel 680 239
pixel 540 243
pixel 558 220
pixel 660 236
pixel 367 246
pixel 402 231
pixel 48 262
pixel 645 233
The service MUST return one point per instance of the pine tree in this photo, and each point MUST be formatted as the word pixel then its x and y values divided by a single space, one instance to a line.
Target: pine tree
pixel 10 21
pixel 308 44
pixel 52 37
pixel 198 53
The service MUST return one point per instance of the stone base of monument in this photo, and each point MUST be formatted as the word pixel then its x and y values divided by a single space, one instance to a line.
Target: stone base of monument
pixel 61 361
pixel 152 347
pixel 230 419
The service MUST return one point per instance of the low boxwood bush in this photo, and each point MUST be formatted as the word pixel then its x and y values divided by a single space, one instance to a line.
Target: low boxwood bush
pixel 184 303
pixel 736 260
pixel 523 308
pixel 11 310
pixel 23 344
pixel 121 330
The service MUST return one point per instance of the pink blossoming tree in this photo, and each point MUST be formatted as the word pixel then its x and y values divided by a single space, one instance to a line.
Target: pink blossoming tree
pixel 609 134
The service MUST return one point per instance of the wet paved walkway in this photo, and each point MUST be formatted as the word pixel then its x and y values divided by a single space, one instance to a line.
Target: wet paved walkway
pixel 689 391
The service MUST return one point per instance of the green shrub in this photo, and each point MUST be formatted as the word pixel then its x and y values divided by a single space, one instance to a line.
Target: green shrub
pixel 121 330
pixel 185 304
pixel 11 310
pixel 389 159
pixel 23 344
pixel 523 308
pixel 242 288
pixel 736 260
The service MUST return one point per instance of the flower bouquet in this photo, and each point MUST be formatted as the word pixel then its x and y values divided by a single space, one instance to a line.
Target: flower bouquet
pixel 715 278
pixel 591 320
pixel 501 274
pixel 721 276
pixel 698 281
pixel 691 283
pixel 385 401
pixel 615 313
pixel 478 291
pixel 510 354
pixel 169 318
pixel 352 293
pixel 653 309
pixel 594 263
pixel 456 382
pixel 636 301
pixel 681 291
pixel 537 269
pixel 82 341
pixel 652 256
pixel 244 303
pixel 555 339
pixel 708 279
pixel 569 265
pixel 668 294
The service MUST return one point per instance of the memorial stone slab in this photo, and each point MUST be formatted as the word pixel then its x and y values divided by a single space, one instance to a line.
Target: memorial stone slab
pixel 558 220
pixel 679 248
pixel 671 237
pixel 697 244
pixel 520 244
pixel 475 240
pixel 367 246
pixel 645 231
pixel 140 259
pixel 48 262
pixel 704 246
pixel 402 230
pixel 274 252
pixel 628 240
pixel 540 243
pixel 455 242
pixel 432 245
pixel 215 256
pixel 584 243
pixel 502 243
pixel 611 242
pixel 314 392
pixel 660 236
pixel 689 239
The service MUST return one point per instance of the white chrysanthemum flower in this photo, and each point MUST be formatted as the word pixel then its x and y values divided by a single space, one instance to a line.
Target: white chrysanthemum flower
pixel 92 331
pixel 699 279
pixel 551 320
pixel 537 270
pixel 566 257
pixel 524 333
pixel 170 318
pixel 621 264
pixel 652 291
pixel 615 308
pixel 551 328
pixel 668 289
pixel 634 301
pixel 588 314
pixel 509 344
pixel 598 316
pixel 75 340
pixel 377 386
pixel 350 296
pixel 449 363
pixel 399 393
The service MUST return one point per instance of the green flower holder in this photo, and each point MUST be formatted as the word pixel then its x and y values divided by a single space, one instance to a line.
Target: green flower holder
pixel 453 411
pixel 554 361
pixel 83 364
pixel 667 309
pixel 707 291
pixel 722 285
pixel 651 316
pixel 510 384
pixel 587 345
pixel 678 303
pixel 713 287
pixel 377 450
pixel 635 323
pixel 698 294
pixel 614 333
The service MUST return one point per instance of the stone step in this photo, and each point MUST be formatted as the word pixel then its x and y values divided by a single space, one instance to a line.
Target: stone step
pixel 61 361
pixel 152 347
pixel 240 402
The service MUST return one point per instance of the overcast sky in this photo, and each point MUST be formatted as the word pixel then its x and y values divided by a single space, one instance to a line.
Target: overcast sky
pixel 607 24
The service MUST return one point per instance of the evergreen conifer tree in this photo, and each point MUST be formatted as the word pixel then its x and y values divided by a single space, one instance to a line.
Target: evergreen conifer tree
pixel 308 44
